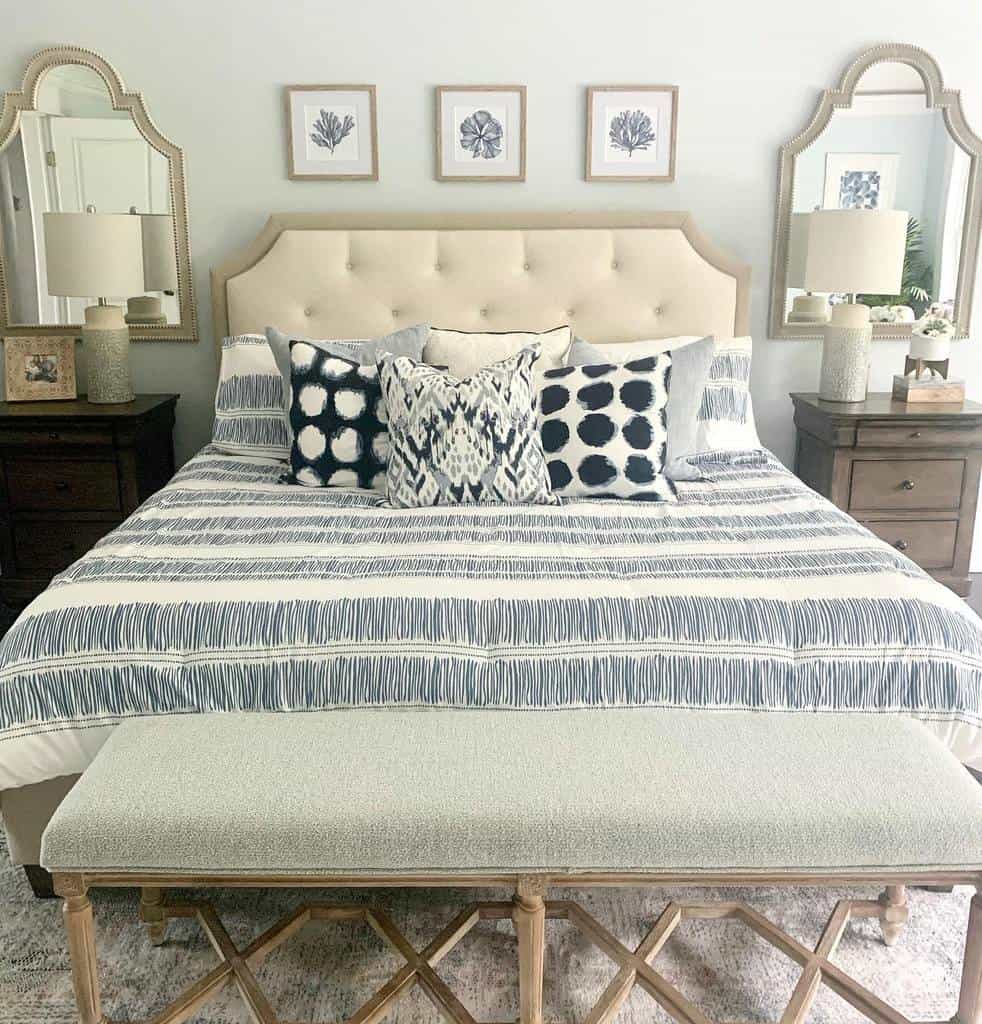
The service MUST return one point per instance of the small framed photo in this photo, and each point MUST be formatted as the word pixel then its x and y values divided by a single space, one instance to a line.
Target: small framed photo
pixel 860 181
pixel 480 133
pixel 332 132
pixel 630 132
pixel 39 369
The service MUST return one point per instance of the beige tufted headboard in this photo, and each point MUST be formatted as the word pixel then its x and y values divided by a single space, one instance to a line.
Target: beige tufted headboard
pixel 613 277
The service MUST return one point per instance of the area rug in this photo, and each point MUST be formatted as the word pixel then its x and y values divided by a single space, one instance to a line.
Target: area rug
pixel 325 971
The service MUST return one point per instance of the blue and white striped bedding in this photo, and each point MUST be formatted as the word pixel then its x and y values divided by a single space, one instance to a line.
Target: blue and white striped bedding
pixel 230 591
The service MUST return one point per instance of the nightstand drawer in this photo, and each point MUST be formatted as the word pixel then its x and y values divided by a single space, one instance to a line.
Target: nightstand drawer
pixel 906 484
pixel 37 484
pixel 931 544
pixel 888 435
pixel 55 545
pixel 56 436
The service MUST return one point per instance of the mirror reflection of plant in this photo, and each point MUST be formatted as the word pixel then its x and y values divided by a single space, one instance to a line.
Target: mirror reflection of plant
pixel 329 129
pixel 917 280
pixel 631 130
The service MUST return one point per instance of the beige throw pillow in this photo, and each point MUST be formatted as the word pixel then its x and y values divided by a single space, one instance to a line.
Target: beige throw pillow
pixel 463 353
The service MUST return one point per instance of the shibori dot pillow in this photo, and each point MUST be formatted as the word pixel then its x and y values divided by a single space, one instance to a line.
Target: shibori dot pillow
pixel 249 400
pixel 604 430
pixel 338 420
pixel 464 353
pixel 462 442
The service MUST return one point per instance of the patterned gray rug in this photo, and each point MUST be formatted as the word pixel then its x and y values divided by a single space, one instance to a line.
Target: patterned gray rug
pixel 324 973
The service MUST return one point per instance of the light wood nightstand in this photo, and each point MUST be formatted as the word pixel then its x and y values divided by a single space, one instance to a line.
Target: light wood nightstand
pixel 910 473
pixel 70 472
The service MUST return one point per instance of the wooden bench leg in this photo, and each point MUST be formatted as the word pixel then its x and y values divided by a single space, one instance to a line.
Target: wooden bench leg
pixel 529 916
pixel 81 946
pixel 152 914
pixel 894 914
pixel 970 1000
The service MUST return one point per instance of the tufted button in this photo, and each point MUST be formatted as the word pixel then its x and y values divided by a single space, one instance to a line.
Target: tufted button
pixel 395 314
pixel 615 265
pixel 525 266
pixel 349 266
pixel 437 266
pixel 657 311
pixel 484 312
pixel 570 313
pixel 307 311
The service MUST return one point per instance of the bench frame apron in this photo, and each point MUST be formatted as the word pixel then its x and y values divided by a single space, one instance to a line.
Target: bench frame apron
pixel 529 909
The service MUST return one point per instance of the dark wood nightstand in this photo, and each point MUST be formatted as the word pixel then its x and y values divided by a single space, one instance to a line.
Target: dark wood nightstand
pixel 69 473
pixel 910 473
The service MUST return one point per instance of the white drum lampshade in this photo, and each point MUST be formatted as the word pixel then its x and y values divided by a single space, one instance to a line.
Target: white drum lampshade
pixel 159 269
pixel 852 251
pixel 806 309
pixel 98 255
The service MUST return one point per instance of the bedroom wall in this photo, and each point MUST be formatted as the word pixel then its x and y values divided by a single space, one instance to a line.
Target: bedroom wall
pixel 749 75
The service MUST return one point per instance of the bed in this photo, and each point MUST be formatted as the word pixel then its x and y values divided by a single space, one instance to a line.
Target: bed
pixel 231 591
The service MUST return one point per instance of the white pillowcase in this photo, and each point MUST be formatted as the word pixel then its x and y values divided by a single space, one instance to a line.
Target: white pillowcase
pixel 463 353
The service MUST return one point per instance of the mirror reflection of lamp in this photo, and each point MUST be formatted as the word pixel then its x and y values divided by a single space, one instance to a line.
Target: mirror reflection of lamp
pixel 159 269
pixel 98 254
pixel 807 308
pixel 852 251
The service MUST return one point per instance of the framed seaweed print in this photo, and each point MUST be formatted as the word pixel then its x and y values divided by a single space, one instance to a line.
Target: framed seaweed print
pixel 480 133
pixel 630 132
pixel 332 132
pixel 39 369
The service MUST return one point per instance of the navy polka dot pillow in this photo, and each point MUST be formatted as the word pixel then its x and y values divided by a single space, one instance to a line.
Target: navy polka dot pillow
pixel 340 432
pixel 604 429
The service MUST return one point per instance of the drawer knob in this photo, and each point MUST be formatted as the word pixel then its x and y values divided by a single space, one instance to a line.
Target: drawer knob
pixel 915 435
pixel 54 436
pixel 907 485
pixel 901 545
pixel 68 547
pixel 61 485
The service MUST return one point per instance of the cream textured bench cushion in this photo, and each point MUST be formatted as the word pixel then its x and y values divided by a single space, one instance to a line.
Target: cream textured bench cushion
pixel 408 792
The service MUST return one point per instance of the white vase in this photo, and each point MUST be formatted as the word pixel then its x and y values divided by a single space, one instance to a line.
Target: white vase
pixel 922 347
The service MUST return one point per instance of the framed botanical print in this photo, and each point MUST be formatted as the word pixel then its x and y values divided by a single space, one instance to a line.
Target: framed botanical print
pixel 332 132
pixel 860 181
pixel 480 133
pixel 36 369
pixel 630 132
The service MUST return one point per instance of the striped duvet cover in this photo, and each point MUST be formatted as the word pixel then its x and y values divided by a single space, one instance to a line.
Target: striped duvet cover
pixel 229 591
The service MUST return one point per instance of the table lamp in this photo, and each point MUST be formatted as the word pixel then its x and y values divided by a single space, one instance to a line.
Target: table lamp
pixel 852 251
pixel 98 255
pixel 159 268
pixel 808 308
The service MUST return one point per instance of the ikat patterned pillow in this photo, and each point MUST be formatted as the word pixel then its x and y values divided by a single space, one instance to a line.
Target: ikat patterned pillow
pixel 604 429
pixel 463 442
pixel 340 437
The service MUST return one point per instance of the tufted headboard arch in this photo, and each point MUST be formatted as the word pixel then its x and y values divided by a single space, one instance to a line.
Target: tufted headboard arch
pixel 612 277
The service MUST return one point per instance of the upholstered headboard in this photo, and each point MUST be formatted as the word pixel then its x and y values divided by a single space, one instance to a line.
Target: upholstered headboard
pixel 613 277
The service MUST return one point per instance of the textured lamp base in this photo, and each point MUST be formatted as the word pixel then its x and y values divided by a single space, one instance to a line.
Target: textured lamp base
pixel 106 342
pixel 845 355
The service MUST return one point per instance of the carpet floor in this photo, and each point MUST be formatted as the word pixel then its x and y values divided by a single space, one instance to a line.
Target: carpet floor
pixel 324 972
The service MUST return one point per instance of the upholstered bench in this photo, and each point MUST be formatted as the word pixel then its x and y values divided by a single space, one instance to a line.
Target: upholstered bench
pixel 527 800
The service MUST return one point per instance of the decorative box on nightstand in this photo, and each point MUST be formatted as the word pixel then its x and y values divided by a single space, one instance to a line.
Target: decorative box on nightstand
pixel 69 473
pixel 910 473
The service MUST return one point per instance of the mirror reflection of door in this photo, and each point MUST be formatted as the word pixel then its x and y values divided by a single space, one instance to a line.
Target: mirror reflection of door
pixel 889 150
pixel 75 152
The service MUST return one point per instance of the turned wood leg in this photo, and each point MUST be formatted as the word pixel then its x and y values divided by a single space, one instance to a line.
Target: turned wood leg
pixel 970 1000
pixel 81 945
pixel 894 914
pixel 529 916
pixel 153 915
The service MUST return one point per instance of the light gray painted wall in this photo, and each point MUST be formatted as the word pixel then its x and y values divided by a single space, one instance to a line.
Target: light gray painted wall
pixel 749 76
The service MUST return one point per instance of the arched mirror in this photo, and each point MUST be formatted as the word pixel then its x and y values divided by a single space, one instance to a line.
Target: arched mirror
pixel 72 140
pixel 891 137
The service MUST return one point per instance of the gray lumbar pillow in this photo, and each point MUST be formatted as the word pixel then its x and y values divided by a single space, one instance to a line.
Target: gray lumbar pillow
pixel 690 369
pixel 409 341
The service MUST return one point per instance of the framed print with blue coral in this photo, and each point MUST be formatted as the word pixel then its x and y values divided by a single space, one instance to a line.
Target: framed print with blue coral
pixel 630 132
pixel 480 133
pixel 332 132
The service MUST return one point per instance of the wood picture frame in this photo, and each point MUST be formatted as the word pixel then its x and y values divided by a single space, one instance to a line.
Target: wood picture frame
pixel 39 369
pixel 600 146
pixel 353 153
pixel 489 124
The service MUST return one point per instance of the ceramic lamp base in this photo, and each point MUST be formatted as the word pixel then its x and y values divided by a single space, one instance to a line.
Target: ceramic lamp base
pixel 846 354
pixel 106 343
